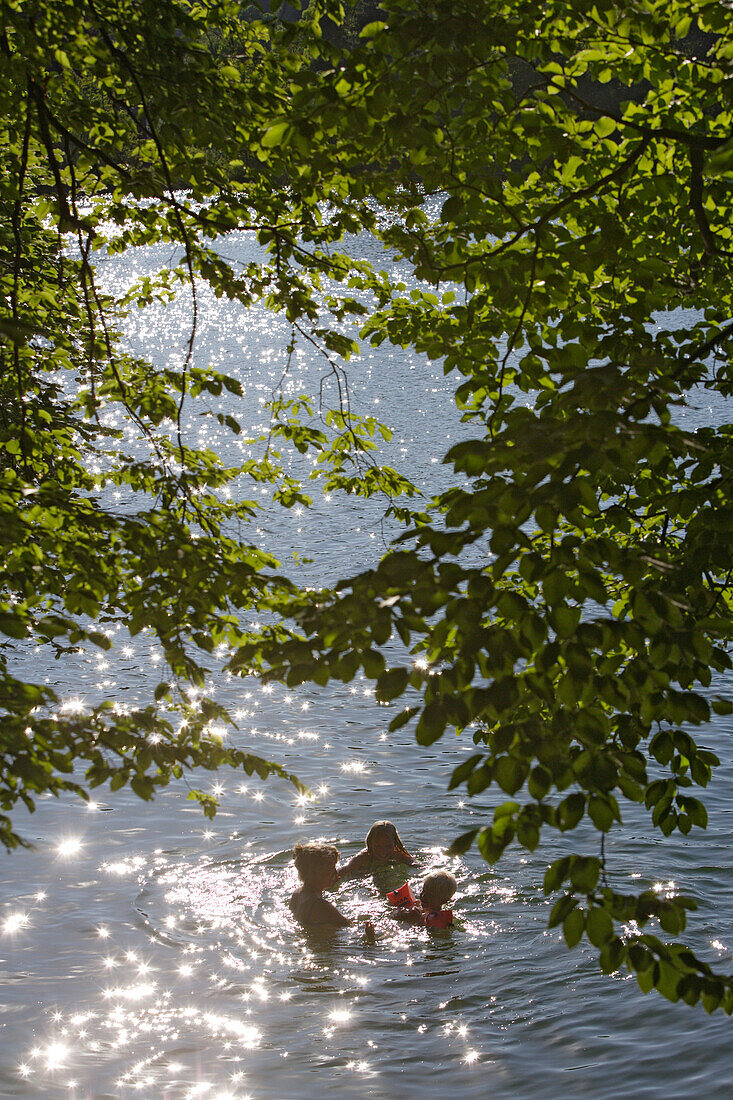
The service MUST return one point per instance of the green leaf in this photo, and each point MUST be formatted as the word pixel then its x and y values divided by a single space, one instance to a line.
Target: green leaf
pixel 598 927
pixel 13 625
pixel 276 134
pixel 556 874
pixel 509 774
pixel 573 926
pixel 600 813
pixel 143 787
pixel 613 955
pixel 462 843
pixel 371 30
pixel 560 910
pixel 584 872
pixel 403 718
pixel 391 684
pixel 570 811
pixel 492 845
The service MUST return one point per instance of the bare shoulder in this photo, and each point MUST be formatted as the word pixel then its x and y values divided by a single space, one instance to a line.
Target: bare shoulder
pixel 315 910
pixel 360 862
pixel 294 901
pixel 326 913
pixel 331 915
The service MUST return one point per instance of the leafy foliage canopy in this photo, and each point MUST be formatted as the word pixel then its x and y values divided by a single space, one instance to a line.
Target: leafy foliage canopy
pixel 570 596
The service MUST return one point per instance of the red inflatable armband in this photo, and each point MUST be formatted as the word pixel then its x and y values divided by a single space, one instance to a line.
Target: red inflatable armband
pixel 403 897
pixel 442 919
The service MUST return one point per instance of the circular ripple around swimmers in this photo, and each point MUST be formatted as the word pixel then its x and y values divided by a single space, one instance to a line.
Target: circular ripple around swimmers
pixel 216 898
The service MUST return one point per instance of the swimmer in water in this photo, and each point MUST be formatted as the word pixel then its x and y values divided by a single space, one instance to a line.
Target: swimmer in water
pixel 316 867
pixel 383 846
pixel 437 889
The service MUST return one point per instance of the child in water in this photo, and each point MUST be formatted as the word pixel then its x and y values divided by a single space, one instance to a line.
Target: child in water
pixel 316 867
pixel 437 889
pixel 383 846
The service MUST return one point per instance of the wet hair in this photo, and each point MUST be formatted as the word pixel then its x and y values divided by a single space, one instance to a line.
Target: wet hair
pixel 438 887
pixel 384 827
pixel 310 858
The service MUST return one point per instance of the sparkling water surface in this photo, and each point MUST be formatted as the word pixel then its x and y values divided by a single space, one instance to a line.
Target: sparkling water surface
pixel 145 952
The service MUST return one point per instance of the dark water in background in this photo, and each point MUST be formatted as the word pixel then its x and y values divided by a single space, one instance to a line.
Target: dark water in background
pixel 145 952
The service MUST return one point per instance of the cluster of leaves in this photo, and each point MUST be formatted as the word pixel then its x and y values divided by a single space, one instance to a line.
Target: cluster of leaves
pixel 570 598
pixel 99 134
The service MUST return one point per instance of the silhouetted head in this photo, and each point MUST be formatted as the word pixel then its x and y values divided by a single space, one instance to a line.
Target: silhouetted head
pixel 438 888
pixel 316 864
pixel 383 842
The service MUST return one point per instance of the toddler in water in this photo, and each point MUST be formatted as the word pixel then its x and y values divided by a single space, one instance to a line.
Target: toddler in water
pixel 316 867
pixel 437 889
pixel 383 846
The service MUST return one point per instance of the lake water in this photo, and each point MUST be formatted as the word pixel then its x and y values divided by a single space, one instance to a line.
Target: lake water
pixel 145 952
